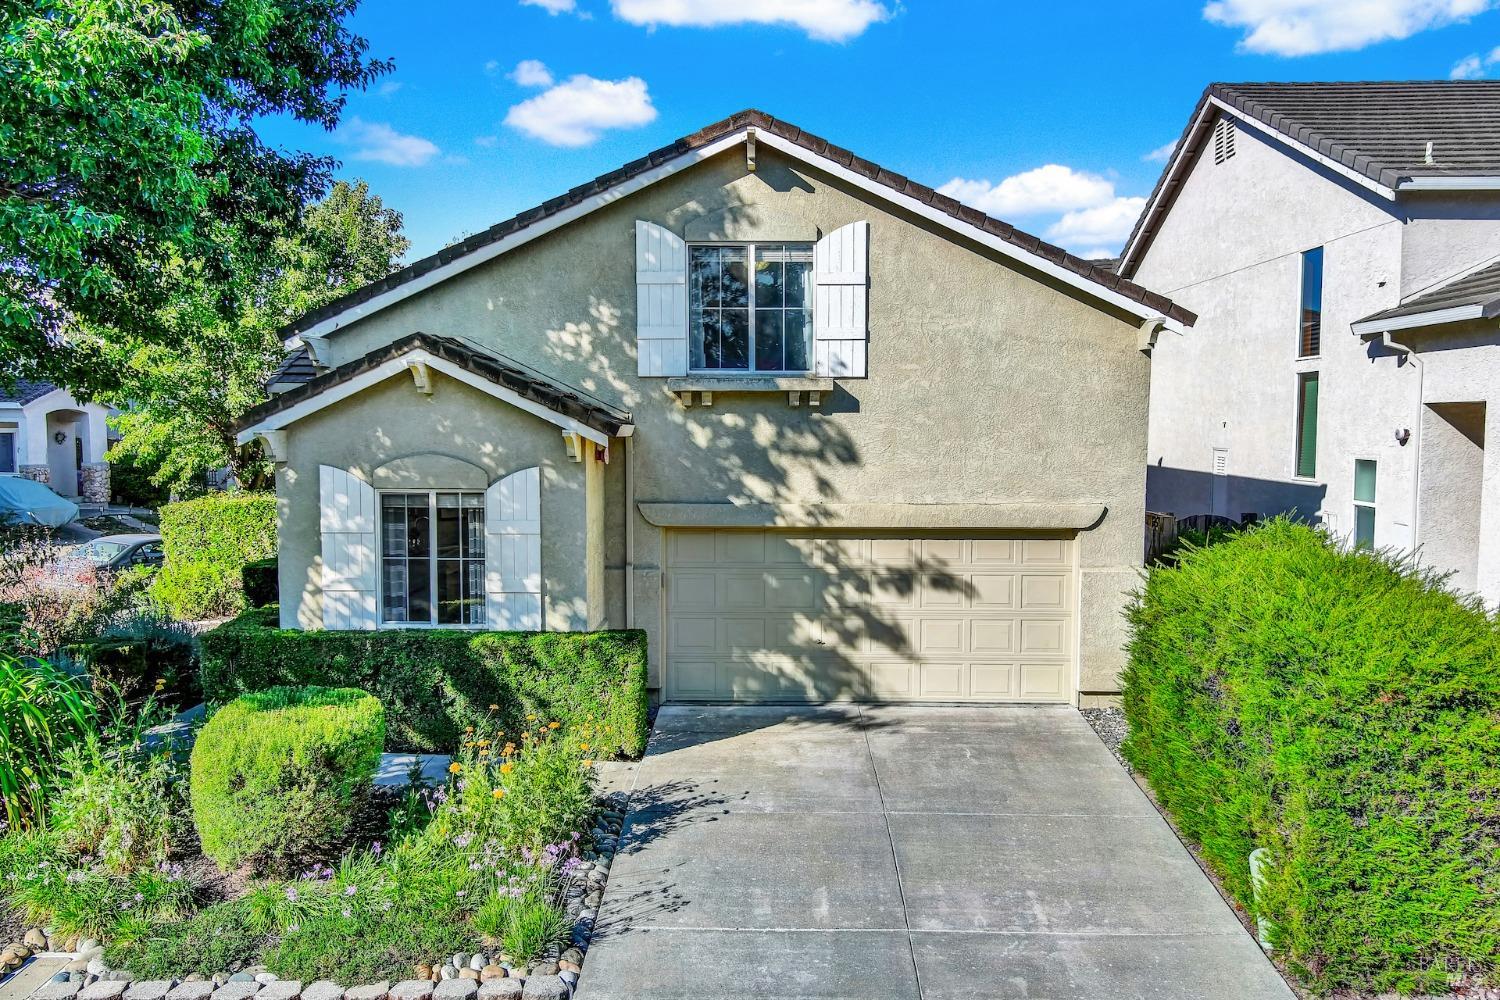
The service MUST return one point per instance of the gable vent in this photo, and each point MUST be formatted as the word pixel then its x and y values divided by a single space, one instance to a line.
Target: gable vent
pixel 1223 140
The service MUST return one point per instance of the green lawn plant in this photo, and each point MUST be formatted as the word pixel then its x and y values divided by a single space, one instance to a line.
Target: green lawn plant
pixel 43 712
pixel 278 774
pixel 1341 710
pixel 208 541
pixel 435 683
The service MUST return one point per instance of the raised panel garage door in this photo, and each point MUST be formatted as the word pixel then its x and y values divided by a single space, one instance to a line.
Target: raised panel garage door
pixel 778 616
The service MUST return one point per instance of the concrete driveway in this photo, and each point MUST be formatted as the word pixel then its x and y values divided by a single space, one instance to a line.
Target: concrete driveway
pixel 904 853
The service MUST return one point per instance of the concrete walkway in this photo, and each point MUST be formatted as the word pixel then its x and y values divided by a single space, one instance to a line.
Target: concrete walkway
pixel 905 853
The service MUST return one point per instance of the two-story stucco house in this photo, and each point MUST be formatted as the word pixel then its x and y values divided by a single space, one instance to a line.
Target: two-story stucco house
pixel 1339 243
pixel 822 432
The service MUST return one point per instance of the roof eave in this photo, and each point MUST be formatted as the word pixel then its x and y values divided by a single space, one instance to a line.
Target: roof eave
pixel 1433 317
pixel 1449 182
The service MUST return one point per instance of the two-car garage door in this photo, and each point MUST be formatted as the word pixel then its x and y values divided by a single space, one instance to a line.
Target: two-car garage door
pixel 757 615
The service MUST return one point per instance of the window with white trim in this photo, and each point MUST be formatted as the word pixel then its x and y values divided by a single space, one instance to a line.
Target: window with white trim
pixel 750 307
pixel 1364 503
pixel 432 558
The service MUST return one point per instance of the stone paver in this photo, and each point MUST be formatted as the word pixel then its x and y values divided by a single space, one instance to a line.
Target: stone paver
pixel 323 989
pixel 236 991
pixel 200 989
pixel 412 989
pixel 149 989
pixel 280 989
pixel 500 989
pixel 455 989
pixel 370 991
pixel 904 852
pixel 104 989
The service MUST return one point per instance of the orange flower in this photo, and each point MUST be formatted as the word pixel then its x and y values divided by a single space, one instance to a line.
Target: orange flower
pixel 507 768
pixel 554 725
pixel 583 746
pixel 531 718
pixel 455 767
pixel 484 753
pixel 498 793
pixel 588 763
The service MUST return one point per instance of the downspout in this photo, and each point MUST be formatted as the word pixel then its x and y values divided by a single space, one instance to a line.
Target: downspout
pixel 629 535
pixel 1416 458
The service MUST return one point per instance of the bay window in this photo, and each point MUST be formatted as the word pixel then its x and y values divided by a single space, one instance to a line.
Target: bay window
pixel 750 307
pixel 432 558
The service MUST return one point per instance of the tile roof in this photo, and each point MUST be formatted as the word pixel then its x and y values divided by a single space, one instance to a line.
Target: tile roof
pixel 1479 289
pixel 526 383
pixel 295 368
pixel 705 136
pixel 1379 130
pixel 24 391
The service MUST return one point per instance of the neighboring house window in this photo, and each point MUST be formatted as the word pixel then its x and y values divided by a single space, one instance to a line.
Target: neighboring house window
pixel 1310 325
pixel 7 451
pixel 750 307
pixel 432 558
pixel 1364 503
pixel 1307 425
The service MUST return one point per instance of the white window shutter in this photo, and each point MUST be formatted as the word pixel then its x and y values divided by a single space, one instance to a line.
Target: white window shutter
pixel 513 552
pixel 660 301
pixel 841 301
pixel 347 524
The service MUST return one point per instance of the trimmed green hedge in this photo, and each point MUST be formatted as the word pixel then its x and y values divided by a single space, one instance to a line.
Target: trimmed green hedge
pixel 1342 710
pixel 277 774
pixel 435 682
pixel 207 542
pixel 260 582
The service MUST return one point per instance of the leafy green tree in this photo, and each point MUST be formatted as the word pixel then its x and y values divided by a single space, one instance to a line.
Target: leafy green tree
pixel 186 394
pixel 130 168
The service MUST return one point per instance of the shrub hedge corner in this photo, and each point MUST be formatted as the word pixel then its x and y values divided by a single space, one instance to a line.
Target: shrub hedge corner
pixel 434 683
pixel 1342 710
pixel 277 774
pixel 260 582
pixel 207 542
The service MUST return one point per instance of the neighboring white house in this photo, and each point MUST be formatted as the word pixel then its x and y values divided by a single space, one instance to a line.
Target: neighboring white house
pixel 1337 243
pixel 47 435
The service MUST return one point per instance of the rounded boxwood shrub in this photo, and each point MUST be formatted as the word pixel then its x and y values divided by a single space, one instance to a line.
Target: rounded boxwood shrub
pixel 1340 709
pixel 278 774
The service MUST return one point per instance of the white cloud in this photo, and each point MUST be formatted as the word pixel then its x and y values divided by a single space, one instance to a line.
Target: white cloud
pixel 552 6
pixel 532 73
pixel 486 141
pixel 379 142
pixel 1098 227
pixel 576 111
pixel 389 87
pixel 1306 27
pixel 1161 154
pixel 825 20
pixel 1052 188
pixel 1474 66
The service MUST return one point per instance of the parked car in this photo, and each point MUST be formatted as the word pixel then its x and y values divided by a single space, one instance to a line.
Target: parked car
pixel 26 501
pixel 112 553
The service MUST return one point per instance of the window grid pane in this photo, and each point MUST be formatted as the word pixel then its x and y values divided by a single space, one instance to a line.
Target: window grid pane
pixel 1364 480
pixel 432 541
pixel 1310 333
pixel 735 327
pixel 1307 425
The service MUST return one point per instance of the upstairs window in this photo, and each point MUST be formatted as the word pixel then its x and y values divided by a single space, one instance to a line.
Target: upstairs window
pixel 1310 326
pixel 750 307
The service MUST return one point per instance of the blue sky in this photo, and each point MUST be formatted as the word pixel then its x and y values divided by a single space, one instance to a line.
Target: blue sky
pixel 1046 115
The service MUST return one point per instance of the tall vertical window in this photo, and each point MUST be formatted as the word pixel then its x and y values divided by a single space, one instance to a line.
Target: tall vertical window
pixel 7 451
pixel 750 307
pixel 432 558
pixel 1307 424
pixel 1310 324
pixel 1364 503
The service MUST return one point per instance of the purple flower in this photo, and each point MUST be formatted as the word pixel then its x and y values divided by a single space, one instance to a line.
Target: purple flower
pixel 291 894
pixel 351 890
pixel 375 848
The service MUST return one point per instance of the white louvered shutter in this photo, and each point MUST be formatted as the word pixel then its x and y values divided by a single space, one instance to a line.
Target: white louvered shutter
pixel 841 301
pixel 660 301
pixel 513 551
pixel 347 524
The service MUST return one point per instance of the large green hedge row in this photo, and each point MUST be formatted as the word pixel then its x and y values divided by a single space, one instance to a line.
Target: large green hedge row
pixel 1342 710
pixel 207 542
pixel 434 683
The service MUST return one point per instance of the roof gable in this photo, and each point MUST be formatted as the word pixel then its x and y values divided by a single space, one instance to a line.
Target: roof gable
pixel 1374 133
pixel 1090 277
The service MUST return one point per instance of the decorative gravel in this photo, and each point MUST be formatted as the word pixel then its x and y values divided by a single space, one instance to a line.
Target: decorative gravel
pixel 1112 728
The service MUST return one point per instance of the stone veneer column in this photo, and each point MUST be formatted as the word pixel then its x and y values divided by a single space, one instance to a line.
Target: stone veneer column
pixel 95 481
pixel 39 473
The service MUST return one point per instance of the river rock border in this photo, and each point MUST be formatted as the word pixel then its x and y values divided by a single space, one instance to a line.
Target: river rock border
pixel 480 975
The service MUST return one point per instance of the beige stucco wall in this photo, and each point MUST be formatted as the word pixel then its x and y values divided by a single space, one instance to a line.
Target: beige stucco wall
pixel 986 384
pixel 393 420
